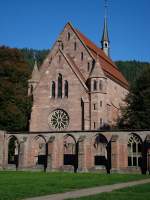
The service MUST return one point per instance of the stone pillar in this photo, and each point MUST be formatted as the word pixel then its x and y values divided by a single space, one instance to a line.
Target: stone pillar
pixel 86 116
pixel 81 154
pixel 114 153
pixel 22 154
pixel 50 153
pixel 2 148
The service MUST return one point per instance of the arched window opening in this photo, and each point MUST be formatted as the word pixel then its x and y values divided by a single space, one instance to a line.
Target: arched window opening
pixel 100 151
pixel 94 106
pixel 100 85
pixel 66 89
pixel 101 122
pixel 39 158
pixel 95 85
pixel 59 86
pixel 134 151
pixel 68 36
pixel 70 152
pixel 53 89
pixel 13 151
pixel 31 91
pixel 82 55
pixel 75 46
pixel 101 103
pixel 93 63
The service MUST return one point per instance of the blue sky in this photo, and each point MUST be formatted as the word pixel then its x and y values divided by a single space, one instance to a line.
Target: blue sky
pixel 37 24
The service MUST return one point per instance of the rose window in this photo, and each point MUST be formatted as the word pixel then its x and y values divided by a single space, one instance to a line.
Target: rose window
pixel 58 119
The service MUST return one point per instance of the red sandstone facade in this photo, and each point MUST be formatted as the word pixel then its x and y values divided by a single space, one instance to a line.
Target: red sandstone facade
pixel 77 91
pixel 80 80
pixel 85 151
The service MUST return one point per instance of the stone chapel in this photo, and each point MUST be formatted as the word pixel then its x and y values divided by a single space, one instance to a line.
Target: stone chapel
pixel 78 87
pixel 77 92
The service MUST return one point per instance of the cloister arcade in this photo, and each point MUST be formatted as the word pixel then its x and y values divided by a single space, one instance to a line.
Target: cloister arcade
pixel 76 151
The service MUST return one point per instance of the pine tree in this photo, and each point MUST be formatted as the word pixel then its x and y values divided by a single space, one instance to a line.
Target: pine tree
pixel 137 113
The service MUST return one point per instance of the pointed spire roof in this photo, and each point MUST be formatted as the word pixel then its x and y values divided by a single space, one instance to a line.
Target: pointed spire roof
pixel 105 36
pixel 35 72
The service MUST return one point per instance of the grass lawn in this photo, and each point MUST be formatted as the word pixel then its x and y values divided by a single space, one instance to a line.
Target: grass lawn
pixel 141 192
pixel 19 185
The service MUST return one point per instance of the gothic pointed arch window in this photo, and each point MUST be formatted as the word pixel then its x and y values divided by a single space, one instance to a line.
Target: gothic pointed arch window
pixel 134 150
pixel 75 45
pixel 95 85
pixel 66 88
pixel 69 36
pixel 53 89
pixel 82 56
pixel 59 86
pixel 100 85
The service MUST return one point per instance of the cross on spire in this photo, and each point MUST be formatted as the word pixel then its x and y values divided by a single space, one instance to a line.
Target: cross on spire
pixel 105 38
pixel 106 8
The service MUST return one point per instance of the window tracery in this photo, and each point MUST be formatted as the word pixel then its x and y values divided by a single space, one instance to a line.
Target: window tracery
pixel 134 151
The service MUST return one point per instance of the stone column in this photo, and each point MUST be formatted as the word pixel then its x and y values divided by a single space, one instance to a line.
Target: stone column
pixel 50 153
pixel 114 153
pixel 22 154
pixel 81 154
pixel 2 149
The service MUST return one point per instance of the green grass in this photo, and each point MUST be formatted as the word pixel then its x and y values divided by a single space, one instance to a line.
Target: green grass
pixel 141 192
pixel 19 185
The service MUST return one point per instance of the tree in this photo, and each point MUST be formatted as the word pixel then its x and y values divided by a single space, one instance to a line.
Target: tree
pixel 137 113
pixel 14 104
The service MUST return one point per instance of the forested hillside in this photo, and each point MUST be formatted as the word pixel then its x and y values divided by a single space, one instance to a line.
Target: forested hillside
pixel 15 70
pixel 132 69
pixel 14 103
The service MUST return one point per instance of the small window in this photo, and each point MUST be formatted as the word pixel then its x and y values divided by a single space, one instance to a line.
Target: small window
pixel 75 46
pixel 100 85
pixel 31 89
pixel 101 121
pixel 82 55
pixel 93 63
pixel 94 125
pixel 53 89
pixel 88 67
pixel 101 103
pixel 106 45
pixel 68 36
pixel 95 85
pixel 66 89
pixel 60 86
pixel 94 106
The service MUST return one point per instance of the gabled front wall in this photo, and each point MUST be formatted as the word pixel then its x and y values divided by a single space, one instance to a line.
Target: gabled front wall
pixel 55 64
pixel 44 103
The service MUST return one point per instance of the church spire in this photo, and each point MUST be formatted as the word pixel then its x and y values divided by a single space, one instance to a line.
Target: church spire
pixel 105 38
pixel 35 72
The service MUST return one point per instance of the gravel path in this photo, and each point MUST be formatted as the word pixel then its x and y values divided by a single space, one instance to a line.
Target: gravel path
pixel 90 191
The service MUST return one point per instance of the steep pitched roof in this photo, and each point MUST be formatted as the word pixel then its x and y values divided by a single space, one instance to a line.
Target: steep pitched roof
pixel 109 67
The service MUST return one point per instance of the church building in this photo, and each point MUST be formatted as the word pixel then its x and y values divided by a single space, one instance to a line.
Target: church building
pixel 78 86
pixel 77 94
